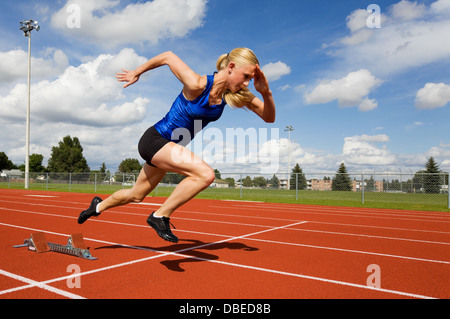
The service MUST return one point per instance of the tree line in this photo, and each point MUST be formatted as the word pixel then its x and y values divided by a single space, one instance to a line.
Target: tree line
pixel 428 180
pixel 67 157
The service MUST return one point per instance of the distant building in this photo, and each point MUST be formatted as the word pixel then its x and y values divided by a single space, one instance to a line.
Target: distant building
pixel 319 185
pixel 377 187
pixel 14 173
pixel 283 183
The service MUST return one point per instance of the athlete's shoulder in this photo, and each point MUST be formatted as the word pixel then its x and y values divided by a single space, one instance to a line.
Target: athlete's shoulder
pixel 195 89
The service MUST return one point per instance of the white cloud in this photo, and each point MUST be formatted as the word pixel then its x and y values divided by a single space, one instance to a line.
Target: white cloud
pixel 14 64
pixel 407 10
pixel 411 35
pixel 357 20
pixel 351 90
pixel 361 150
pixel 106 144
pixel 357 24
pixel 368 105
pixel 381 138
pixel 433 95
pixel 88 95
pixel 103 23
pixel 274 71
pixel 441 7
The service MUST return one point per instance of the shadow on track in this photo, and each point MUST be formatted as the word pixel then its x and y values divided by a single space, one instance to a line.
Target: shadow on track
pixel 191 248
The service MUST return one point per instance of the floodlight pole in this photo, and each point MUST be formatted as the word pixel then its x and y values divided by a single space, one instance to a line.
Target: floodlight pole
pixel 289 129
pixel 27 27
pixel 27 155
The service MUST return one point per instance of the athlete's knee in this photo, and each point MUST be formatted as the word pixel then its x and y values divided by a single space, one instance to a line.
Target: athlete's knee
pixel 135 197
pixel 208 176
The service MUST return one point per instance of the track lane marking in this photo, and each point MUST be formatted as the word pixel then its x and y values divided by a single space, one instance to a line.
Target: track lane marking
pixel 179 254
pixel 32 283
pixel 253 225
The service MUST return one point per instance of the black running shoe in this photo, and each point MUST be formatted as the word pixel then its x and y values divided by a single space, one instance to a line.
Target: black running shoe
pixel 91 211
pixel 162 227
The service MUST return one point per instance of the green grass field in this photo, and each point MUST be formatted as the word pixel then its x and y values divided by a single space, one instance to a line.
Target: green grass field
pixel 405 201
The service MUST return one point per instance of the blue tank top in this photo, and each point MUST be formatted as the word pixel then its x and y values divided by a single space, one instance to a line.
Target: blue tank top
pixel 186 118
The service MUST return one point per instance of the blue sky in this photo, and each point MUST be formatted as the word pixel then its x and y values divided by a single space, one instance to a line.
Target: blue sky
pixel 374 98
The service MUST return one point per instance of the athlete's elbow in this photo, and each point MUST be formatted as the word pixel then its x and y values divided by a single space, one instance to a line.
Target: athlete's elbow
pixel 168 56
pixel 269 119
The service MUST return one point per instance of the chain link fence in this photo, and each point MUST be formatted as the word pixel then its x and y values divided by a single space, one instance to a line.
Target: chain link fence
pixel 419 191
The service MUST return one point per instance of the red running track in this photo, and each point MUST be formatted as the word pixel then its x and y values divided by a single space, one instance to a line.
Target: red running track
pixel 227 250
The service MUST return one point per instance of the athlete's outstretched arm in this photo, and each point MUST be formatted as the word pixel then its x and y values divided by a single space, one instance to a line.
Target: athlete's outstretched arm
pixel 191 80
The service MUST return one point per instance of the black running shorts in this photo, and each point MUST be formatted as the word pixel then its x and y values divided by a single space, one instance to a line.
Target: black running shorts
pixel 150 143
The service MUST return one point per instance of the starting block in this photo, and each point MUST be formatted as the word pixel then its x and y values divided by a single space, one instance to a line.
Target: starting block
pixel 75 246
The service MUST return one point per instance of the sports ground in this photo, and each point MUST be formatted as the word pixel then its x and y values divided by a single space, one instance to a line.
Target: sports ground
pixel 227 250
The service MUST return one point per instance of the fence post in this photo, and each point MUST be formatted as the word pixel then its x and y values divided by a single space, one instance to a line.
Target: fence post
pixel 70 182
pixel 95 182
pixel 448 190
pixel 296 186
pixel 362 191
pixel 242 182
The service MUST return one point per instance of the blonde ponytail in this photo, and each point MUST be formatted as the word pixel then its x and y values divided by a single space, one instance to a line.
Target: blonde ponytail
pixel 241 57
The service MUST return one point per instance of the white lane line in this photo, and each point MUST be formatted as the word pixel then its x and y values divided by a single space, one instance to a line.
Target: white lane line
pixel 304 245
pixel 178 253
pixel 32 283
pixel 44 284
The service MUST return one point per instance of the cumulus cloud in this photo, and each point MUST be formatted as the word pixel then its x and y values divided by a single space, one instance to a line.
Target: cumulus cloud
pixel 410 36
pixel 361 150
pixel 407 10
pixel 274 71
pixel 88 94
pixel 357 24
pixel 104 23
pixel 351 90
pixel 433 95
pixel 14 64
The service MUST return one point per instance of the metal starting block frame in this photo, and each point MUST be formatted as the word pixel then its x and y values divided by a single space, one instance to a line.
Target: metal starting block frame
pixel 75 246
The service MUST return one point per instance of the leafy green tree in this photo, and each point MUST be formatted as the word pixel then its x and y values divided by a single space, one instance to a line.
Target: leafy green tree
pixel 68 157
pixel 130 165
pixel 5 163
pixel 247 182
pixel 342 181
pixel 260 181
pixel 217 173
pixel 172 178
pixel 36 163
pixel 231 182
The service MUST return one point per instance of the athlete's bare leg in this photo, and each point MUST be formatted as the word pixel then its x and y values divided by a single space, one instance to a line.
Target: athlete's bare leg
pixel 199 175
pixel 147 180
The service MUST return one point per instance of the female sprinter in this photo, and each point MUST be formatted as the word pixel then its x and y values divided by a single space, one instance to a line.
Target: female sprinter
pixel 202 98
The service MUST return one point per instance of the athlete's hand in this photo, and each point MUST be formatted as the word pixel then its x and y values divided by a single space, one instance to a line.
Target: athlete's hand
pixel 261 82
pixel 129 76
